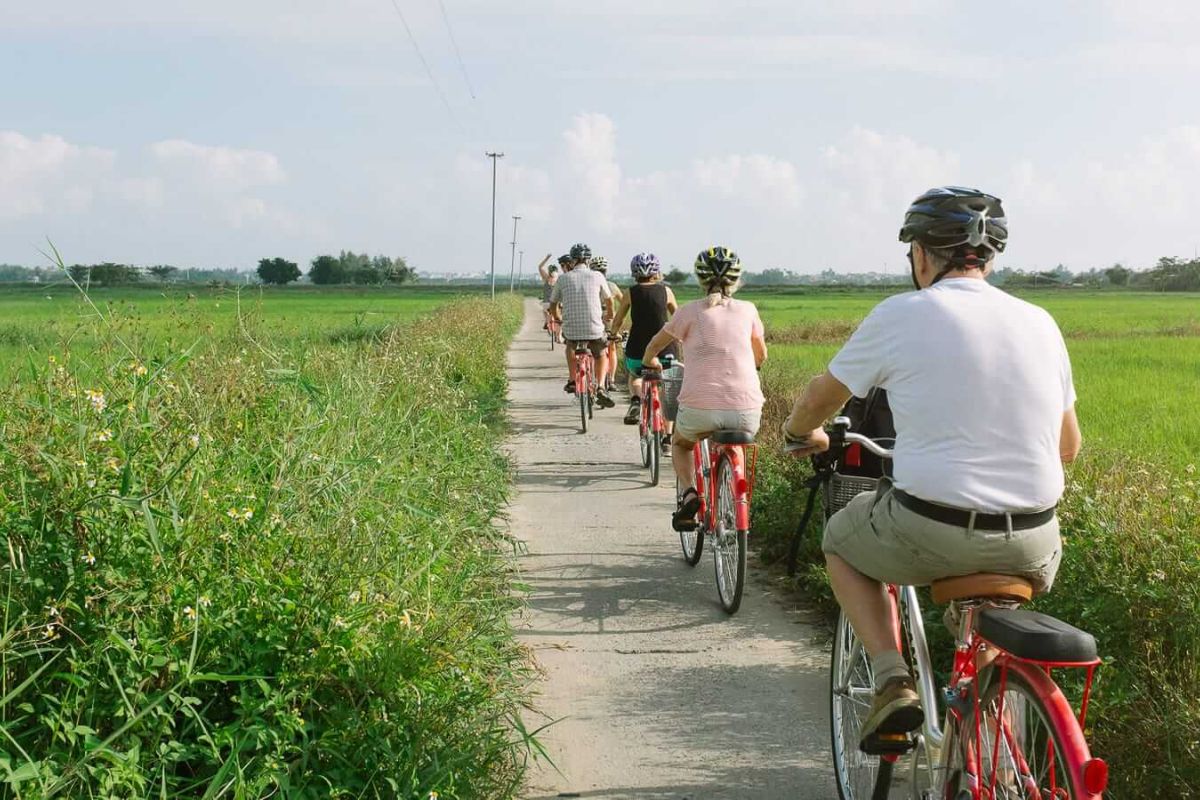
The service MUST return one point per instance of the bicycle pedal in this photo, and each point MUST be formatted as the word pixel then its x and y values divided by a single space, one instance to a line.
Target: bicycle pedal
pixel 887 744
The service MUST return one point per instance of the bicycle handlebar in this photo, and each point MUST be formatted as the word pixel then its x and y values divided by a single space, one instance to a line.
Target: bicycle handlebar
pixel 652 373
pixel 839 437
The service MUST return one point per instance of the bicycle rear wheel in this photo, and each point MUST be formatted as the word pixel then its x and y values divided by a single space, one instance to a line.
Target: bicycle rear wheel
pixel 1029 742
pixel 692 541
pixel 583 410
pixel 729 543
pixel 851 689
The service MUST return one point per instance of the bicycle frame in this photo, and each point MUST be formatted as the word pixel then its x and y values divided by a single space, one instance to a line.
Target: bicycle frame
pixel 707 457
pixel 585 372
pixel 652 417
pixel 972 649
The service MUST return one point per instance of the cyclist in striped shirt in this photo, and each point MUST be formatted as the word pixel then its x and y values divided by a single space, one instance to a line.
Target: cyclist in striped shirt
pixel 582 300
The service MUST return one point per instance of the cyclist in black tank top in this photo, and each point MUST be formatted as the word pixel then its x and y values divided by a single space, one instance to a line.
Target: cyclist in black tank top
pixel 649 303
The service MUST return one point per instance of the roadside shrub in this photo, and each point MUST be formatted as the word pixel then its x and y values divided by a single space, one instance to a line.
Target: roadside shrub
pixel 231 574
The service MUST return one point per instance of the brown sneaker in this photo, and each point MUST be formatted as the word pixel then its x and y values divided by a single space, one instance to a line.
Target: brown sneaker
pixel 895 711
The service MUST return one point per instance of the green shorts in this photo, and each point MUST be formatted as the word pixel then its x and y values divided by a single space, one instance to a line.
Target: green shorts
pixel 886 541
pixel 632 365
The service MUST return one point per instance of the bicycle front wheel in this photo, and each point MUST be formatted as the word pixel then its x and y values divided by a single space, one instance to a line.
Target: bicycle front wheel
pixel 729 548
pixel 851 689
pixel 1029 742
pixel 693 540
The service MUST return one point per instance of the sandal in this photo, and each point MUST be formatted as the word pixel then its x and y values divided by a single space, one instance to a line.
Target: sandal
pixel 684 517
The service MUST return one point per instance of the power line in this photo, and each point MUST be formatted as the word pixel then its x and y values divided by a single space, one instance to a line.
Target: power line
pixel 457 52
pixel 436 86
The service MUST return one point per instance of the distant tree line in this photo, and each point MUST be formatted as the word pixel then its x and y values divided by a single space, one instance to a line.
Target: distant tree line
pixel 346 267
pixel 350 267
pixel 1169 274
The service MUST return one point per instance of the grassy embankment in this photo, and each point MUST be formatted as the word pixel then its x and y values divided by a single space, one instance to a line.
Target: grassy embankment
pixel 248 557
pixel 1131 515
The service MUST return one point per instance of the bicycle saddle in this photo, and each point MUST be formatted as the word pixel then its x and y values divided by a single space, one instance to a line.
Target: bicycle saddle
pixel 1035 637
pixel 982 585
pixel 732 437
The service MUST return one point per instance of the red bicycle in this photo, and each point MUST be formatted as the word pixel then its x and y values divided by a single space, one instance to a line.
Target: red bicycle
pixel 652 425
pixel 1006 731
pixel 724 466
pixel 553 327
pixel 585 383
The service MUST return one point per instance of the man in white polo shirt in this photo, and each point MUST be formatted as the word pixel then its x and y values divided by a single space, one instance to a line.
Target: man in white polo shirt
pixel 980 388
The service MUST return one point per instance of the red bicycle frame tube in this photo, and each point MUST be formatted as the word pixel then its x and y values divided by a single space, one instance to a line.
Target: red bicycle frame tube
pixel 743 482
pixel 1036 675
pixel 651 408
pixel 583 372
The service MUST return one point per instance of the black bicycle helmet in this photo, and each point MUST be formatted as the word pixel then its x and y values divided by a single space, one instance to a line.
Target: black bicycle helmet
pixel 580 252
pixel 565 259
pixel 718 266
pixel 967 222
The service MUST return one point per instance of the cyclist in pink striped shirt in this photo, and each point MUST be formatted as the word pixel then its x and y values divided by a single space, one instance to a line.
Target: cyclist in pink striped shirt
pixel 723 347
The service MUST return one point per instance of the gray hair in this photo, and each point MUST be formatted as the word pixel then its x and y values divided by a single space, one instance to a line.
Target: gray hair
pixel 939 258
pixel 719 293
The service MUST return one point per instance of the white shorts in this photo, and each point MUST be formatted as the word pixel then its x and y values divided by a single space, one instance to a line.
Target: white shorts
pixel 695 424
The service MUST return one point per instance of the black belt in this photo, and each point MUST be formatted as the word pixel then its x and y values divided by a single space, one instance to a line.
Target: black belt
pixel 962 518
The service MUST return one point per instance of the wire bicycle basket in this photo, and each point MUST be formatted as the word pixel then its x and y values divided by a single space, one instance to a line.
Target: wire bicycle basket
pixel 668 391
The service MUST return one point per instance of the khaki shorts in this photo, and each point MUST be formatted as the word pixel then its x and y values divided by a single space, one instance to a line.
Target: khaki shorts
pixel 694 424
pixel 884 540
pixel 597 346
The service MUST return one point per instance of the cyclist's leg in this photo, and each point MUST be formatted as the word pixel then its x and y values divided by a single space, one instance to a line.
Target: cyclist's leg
pixel 692 425
pixel 633 366
pixel 870 542
pixel 600 353
pixel 570 350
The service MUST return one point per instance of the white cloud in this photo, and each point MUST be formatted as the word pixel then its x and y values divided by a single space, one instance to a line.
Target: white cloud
pixel 757 180
pixel 175 189
pixel 220 169
pixel 731 55
pixel 48 173
pixel 590 151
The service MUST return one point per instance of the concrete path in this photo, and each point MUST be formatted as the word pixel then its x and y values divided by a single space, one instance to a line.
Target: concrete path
pixel 657 692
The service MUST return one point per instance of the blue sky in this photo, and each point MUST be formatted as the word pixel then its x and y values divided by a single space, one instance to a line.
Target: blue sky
pixel 215 133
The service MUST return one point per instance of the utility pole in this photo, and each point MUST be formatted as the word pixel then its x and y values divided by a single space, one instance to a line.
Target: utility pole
pixel 520 266
pixel 493 157
pixel 512 261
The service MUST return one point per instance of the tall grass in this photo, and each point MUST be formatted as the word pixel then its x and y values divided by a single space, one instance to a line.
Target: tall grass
pixel 232 571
